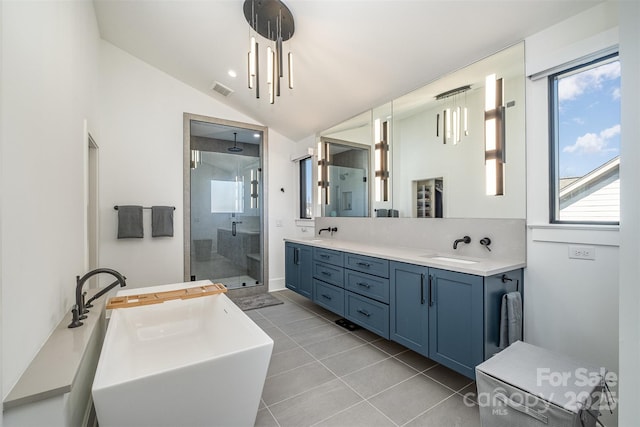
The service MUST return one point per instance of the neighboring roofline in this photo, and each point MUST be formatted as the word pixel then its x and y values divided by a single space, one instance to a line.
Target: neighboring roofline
pixel 592 176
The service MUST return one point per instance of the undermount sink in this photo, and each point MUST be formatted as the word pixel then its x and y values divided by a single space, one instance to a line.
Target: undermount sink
pixel 451 259
pixel 196 362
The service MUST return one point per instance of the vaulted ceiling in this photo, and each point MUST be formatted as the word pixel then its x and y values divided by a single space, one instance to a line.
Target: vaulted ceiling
pixel 350 55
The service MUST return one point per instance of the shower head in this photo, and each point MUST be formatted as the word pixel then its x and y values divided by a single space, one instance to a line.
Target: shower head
pixel 235 148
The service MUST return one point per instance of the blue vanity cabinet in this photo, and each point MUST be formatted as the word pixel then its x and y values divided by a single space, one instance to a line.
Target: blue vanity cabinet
pixel 456 320
pixel 367 292
pixel 409 311
pixel 298 268
pixel 494 288
pixel 368 313
pixel 328 296
pixel 328 279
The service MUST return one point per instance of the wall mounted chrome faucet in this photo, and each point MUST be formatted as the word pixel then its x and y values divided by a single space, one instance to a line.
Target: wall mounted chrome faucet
pixel 465 239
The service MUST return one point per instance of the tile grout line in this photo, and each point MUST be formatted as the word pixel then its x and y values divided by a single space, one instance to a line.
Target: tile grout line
pixel 367 400
pixel 430 408
pixel 338 377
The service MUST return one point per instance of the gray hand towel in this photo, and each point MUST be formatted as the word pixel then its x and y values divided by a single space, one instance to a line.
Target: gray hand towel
pixel 162 221
pixel 130 222
pixel 510 319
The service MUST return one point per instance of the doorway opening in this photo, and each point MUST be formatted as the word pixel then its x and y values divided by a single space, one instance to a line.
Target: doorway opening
pixel 224 202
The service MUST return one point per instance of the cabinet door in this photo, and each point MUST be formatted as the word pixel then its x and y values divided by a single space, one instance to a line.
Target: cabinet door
pixel 456 320
pixel 305 271
pixel 409 320
pixel 291 266
pixel 298 269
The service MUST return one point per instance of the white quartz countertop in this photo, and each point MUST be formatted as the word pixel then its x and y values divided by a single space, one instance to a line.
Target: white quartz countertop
pixel 426 257
pixel 53 371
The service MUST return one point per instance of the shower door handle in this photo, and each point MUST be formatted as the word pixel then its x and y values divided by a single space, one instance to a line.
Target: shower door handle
pixel 234 227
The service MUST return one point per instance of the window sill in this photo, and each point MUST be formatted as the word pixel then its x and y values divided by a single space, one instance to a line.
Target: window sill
pixel 602 235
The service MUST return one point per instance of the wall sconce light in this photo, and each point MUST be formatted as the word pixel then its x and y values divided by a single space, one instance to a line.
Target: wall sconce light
pixel 323 172
pixel 454 120
pixel 195 158
pixel 273 20
pixel 494 133
pixel 381 145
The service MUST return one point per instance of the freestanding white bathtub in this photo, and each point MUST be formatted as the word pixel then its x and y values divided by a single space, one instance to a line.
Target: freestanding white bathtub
pixel 194 362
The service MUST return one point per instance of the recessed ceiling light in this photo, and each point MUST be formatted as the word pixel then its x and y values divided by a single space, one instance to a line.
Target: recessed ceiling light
pixel 232 73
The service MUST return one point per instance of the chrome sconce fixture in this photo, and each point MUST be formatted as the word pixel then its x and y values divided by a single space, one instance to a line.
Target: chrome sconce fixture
pixel 455 121
pixel 381 145
pixel 494 133
pixel 323 172
pixel 195 158
pixel 272 20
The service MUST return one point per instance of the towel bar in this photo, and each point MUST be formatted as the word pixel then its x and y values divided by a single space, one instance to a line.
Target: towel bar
pixel 144 207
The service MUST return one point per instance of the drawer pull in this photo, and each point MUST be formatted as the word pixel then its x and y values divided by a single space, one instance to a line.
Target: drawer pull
pixel 325 256
pixel 364 264
pixel 364 285
pixel 364 313
pixel 325 273
pixel 327 297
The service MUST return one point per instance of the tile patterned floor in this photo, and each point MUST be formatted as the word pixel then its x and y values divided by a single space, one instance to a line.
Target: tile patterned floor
pixel 323 375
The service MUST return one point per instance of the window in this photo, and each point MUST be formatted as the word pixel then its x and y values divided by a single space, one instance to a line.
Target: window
pixel 227 196
pixel 306 188
pixel 585 143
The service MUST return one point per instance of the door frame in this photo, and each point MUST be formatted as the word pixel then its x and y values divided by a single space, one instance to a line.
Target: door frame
pixel 186 167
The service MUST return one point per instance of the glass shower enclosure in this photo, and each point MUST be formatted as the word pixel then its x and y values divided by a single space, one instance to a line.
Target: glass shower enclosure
pixel 226 204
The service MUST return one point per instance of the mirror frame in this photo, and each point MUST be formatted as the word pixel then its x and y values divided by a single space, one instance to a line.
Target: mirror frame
pixel 367 150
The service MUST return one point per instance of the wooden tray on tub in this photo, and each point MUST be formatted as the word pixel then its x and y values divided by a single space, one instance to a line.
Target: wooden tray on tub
pixel 127 301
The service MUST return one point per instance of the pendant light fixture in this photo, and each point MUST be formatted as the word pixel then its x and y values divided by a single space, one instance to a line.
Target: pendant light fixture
pixel 272 20
pixel 454 118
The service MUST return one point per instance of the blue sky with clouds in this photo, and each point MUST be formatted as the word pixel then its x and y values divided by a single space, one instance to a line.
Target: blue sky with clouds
pixel 589 119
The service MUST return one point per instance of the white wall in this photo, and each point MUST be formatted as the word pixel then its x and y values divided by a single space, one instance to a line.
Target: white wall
pixel 141 143
pixel 630 215
pixel 570 305
pixel 49 65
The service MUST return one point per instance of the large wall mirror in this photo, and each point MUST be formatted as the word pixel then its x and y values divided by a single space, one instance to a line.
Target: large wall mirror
pixel 347 150
pixel 437 150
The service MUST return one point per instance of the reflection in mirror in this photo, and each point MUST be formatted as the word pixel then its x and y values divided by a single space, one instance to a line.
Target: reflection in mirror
pixel 427 198
pixel 382 121
pixel 433 139
pixel 347 175
pixel 437 133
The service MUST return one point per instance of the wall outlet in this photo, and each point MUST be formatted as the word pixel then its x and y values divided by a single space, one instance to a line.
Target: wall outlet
pixel 278 223
pixel 582 252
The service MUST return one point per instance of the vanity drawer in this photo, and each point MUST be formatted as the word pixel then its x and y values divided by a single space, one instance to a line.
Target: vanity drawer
pixel 367 264
pixel 328 273
pixel 329 256
pixel 328 296
pixel 365 284
pixel 367 313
